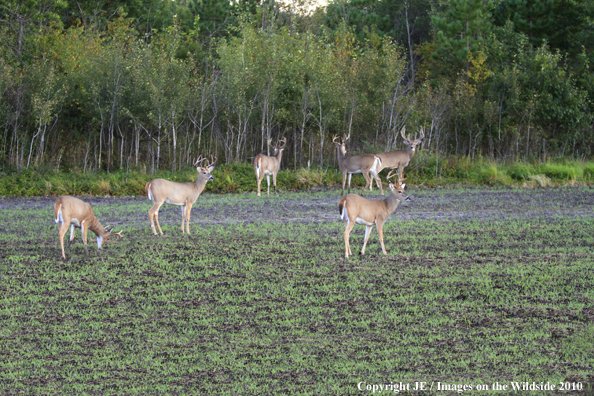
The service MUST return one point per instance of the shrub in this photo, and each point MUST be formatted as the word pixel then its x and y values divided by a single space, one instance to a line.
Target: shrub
pixel 520 172
pixel 561 172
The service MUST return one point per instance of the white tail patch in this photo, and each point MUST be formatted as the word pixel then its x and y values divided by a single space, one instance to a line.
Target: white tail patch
pixel 344 215
pixel 376 163
pixel 59 218
pixel 150 194
pixel 258 167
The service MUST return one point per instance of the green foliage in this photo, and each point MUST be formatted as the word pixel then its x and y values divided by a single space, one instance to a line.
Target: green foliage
pixel 118 89
pixel 216 18
pixel 581 343
pixel 557 23
pixel 428 171
pixel 534 18
pixel 561 171
pixel 461 29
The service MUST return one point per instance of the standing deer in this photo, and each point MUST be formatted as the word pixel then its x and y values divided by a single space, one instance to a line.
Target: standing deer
pixel 354 209
pixel 401 158
pixel 266 166
pixel 365 163
pixel 183 194
pixel 78 214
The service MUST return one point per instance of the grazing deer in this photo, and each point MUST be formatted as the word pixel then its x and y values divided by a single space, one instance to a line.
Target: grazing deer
pixel 78 214
pixel 354 209
pixel 365 163
pixel 266 166
pixel 162 191
pixel 400 158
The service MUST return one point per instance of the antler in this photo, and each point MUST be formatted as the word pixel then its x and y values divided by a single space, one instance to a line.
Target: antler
pixel 390 175
pixel 199 160
pixel 284 141
pixel 119 234
pixel 402 132
pixel 345 138
pixel 213 162
pixel 269 140
pixel 334 139
pixel 422 133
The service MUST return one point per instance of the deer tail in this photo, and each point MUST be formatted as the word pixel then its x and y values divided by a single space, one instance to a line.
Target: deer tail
pixel 341 208
pixel 258 167
pixel 149 194
pixel 58 214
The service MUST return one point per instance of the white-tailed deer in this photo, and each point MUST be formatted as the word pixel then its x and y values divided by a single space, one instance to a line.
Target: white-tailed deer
pixel 266 166
pixel 354 209
pixel 401 158
pixel 70 211
pixel 365 163
pixel 162 191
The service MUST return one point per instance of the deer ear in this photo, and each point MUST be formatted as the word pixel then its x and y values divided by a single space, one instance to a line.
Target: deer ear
pixel 391 185
pixel 211 168
pixel 403 185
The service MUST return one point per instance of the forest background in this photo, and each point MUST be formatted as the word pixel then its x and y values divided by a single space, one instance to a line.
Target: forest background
pixel 141 87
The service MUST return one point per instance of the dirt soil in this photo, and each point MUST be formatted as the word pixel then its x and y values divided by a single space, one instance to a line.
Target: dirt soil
pixel 480 204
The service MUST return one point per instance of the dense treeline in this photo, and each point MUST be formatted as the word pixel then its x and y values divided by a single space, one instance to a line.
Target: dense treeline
pixel 150 84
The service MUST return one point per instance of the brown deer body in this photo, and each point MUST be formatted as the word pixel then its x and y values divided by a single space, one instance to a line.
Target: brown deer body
pixel 401 158
pixel 354 209
pixel 162 191
pixel 367 164
pixel 267 166
pixel 73 212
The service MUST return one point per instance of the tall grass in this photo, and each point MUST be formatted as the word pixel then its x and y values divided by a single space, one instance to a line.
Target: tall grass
pixel 424 170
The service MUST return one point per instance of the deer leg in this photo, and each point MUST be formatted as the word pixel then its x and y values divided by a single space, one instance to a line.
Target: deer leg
pixel 380 231
pixel 259 180
pixel 347 246
pixel 63 230
pixel 153 215
pixel 157 221
pixel 344 176
pixel 72 231
pixel 268 182
pixel 183 210
pixel 84 229
pixel 274 181
pixel 367 183
pixel 350 175
pixel 378 181
pixel 367 233
pixel 188 210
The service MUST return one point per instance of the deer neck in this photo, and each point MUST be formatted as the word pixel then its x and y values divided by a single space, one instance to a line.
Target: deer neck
pixel 199 185
pixel 97 228
pixel 391 202
pixel 341 156
pixel 410 151
pixel 279 155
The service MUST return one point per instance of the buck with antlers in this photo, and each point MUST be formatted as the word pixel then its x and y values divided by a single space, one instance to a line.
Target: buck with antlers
pixel 266 166
pixel 401 158
pixel 162 191
pixel 70 211
pixel 365 163
pixel 354 209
